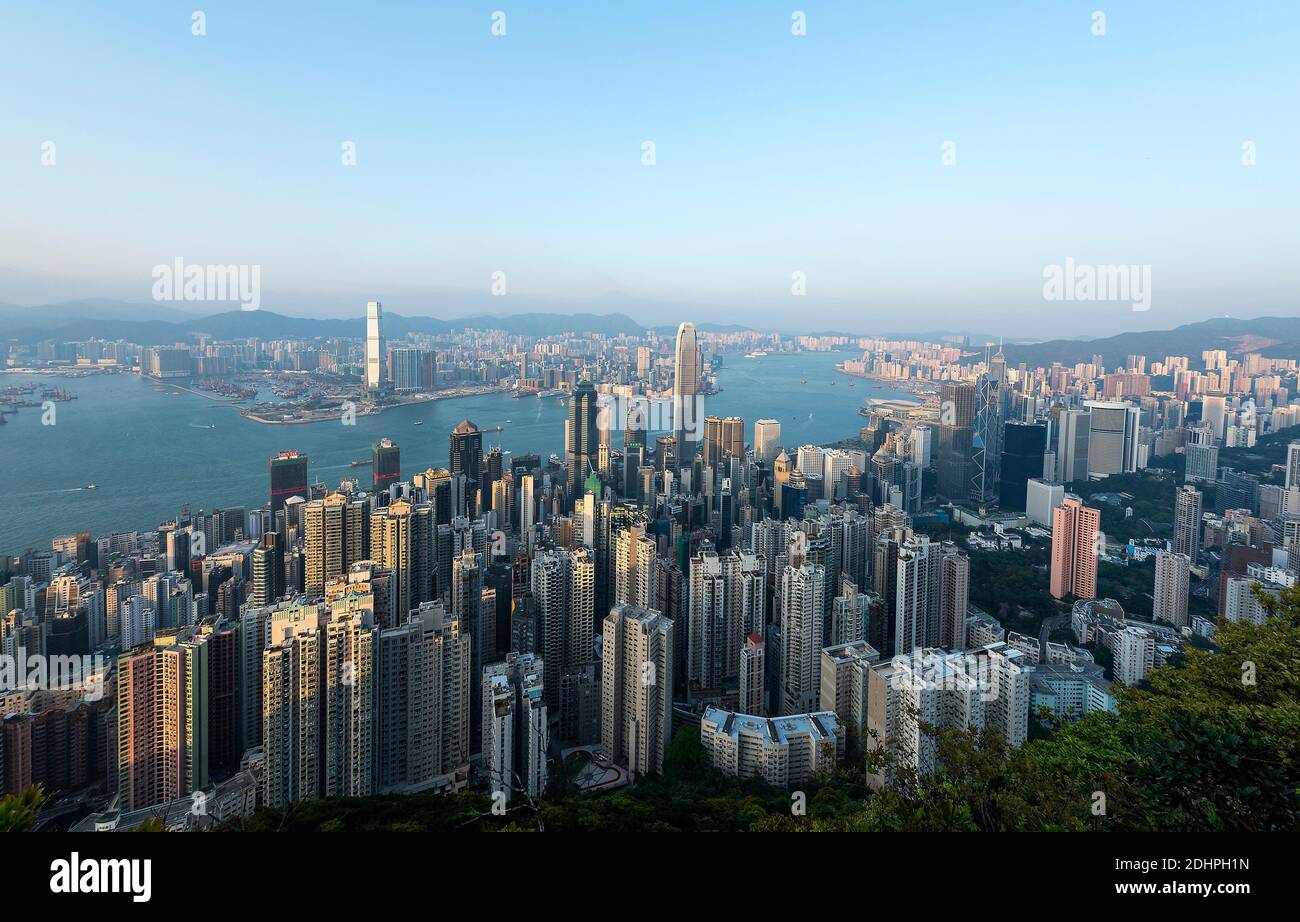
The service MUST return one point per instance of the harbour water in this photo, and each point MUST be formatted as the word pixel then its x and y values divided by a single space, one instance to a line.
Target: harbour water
pixel 148 451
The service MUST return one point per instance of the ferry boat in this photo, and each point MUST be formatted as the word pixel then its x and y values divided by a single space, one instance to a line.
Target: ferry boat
pixel 756 354
pixel 555 459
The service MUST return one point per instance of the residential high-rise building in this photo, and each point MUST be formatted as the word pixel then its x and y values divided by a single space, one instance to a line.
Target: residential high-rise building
pixel 912 588
pixel 1202 457
pixel 514 727
pixel 802 591
pixel 563 583
pixel 636 687
pixel 954 595
pixel 783 752
pixel 424 702
pixel 325 547
pixel 268 570
pixel 987 687
pixel 1293 465
pixel 1171 587
pixel 1187 521
pixel 1075 547
pixel 162 720
pixel 634 555
pixel 845 669
pixel 688 400
pixel 1134 650
pixel 405 371
pixel 376 361
pixel 753 669
pixel 392 547
pixel 348 713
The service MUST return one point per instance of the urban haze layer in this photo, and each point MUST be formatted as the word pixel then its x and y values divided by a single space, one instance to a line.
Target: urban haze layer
pixel 1005 556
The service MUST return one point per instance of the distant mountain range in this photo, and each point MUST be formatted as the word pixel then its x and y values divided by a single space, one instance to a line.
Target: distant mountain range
pixel 1275 337
pixel 157 324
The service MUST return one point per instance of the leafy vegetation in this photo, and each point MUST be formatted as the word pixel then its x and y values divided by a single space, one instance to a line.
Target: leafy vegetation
pixel 18 811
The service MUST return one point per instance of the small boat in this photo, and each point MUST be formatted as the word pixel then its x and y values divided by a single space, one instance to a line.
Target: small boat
pixel 804 381
pixel 419 422
pixel 555 459
pixel 90 486
pixel 509 421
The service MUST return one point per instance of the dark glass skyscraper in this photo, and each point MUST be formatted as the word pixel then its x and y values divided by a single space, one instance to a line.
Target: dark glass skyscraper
pixel 467 453
pixel 387 464
pixel 956 440
pixel 1023 446
pixel 584 439
pixel 288 478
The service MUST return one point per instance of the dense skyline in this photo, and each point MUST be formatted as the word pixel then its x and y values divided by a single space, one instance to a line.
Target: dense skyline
pixel 716 417
pixel 774 153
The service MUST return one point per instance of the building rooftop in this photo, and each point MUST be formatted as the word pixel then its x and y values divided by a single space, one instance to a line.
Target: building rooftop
pixel 822 725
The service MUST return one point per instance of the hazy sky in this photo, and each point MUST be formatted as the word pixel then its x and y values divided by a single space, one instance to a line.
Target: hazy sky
pixel 774 154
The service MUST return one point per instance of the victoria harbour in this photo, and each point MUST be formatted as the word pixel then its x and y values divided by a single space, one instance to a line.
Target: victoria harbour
pixel 150 450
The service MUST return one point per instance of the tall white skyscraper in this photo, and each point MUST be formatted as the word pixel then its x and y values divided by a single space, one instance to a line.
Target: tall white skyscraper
pixel 374 346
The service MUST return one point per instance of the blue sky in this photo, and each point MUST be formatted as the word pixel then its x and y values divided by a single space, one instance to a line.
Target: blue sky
pixel 774 153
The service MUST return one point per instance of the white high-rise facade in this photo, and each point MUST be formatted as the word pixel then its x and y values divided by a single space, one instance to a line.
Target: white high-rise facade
pixel 802 592
pixel 374 346
pixel 1134 650
pixel 1171 588
pixel 514 727
pixel 767 440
